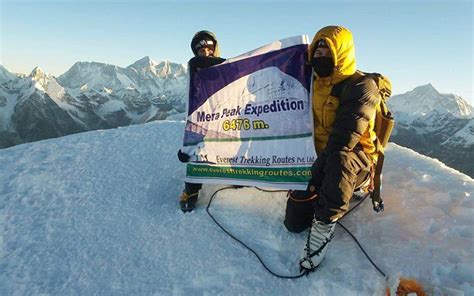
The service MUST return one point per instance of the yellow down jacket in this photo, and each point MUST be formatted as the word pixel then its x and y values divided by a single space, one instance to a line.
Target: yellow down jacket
pixel 354 109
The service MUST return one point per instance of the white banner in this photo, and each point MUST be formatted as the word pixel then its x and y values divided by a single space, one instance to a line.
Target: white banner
pixel 250 120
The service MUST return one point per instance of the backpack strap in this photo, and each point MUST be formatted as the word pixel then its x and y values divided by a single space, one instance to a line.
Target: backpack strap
pixel 377 201
pixel 342 87
pixel 384 126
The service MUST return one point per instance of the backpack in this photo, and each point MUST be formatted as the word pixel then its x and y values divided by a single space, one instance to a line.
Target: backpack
pixel 384 123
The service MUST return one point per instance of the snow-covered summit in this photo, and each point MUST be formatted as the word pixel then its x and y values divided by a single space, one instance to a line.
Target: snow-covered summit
pixel 145 62
pixel 96 213
pixel 166 68
pixel 96 76
pixel 37 73
pixel 425 100
pixel 42 80
pixel 151 69
pixel 435 124
pixel 145 66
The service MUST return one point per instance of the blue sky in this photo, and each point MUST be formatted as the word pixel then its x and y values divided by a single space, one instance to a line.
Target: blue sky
pixel 412 42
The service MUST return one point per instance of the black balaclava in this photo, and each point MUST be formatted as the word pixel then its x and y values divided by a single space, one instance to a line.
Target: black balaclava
pixel 323 66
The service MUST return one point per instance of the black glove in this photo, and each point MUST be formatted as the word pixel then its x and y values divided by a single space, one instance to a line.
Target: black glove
pixel 317 172
pixel 303 195
pixel 183 157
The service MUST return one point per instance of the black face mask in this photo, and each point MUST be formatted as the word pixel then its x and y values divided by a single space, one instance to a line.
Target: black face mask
pixel 323 66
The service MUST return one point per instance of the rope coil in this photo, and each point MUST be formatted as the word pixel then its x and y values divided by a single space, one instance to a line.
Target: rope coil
pixel 306 272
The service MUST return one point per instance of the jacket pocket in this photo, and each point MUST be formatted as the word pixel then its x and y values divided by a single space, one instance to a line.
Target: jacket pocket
pixel 329 112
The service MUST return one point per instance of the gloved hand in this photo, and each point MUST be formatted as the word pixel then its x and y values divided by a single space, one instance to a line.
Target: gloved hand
pixel 183 157
pixel 303 195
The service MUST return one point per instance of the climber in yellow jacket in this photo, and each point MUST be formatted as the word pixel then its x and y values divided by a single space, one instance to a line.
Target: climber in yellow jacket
pixel 344 106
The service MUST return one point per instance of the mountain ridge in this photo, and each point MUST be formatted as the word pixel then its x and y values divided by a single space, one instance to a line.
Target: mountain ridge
pixel 435 124
pixel 88 96
pixel 93 95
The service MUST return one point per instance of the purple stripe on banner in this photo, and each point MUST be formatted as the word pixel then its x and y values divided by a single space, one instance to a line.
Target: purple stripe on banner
pixel 290 60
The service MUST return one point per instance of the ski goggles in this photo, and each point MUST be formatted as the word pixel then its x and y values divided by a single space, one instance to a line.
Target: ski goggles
pixel 204 44
pixel 321 43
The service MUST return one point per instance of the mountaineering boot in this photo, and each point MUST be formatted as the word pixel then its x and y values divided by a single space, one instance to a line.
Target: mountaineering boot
pixel 319 236
pixel 187 202
pixel 299 211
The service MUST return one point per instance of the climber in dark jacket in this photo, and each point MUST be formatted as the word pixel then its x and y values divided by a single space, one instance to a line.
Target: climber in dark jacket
pixel 206 54
pixel 344 108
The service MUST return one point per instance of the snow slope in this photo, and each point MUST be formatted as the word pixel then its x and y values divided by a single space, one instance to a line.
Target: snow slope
pixel 96 213
pixel 5 75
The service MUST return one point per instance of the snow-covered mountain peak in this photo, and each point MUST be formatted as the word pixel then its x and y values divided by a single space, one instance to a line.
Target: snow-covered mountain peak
pixel 145 62
pixel 426 93
pixel 435 124
pixel 166 68
pixel 96 76
pixel 91 67
pixel 425 100
pixel 151 69
pixel 424 89
pixel 42 80
pixel 37 73
pixel 145 66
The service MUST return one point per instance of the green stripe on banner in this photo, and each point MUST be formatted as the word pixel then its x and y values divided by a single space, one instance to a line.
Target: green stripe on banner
pixel 251 139
pixel 277 175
